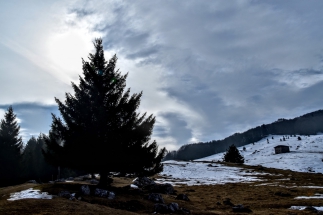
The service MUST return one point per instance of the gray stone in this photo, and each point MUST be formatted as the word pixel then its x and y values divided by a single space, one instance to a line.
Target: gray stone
pixel 67 195
pixel 104 193
pixel 161 188
pixel 173 207
pixel 94 181
pixel 85 190
pixel 155 197
pixel 143 181
pixel 161 208
pixel 183 197
pixel 184 211
pixel 310 208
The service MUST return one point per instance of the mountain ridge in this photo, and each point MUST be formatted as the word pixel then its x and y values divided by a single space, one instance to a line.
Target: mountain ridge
pixel 307 124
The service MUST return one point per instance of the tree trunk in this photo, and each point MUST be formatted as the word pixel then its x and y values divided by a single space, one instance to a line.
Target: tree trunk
pixel 103 179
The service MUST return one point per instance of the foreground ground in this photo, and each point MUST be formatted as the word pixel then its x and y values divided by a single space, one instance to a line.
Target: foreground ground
pixel 274 194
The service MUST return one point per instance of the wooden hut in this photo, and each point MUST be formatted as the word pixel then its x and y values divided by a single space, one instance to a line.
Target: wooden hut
pixel 281 149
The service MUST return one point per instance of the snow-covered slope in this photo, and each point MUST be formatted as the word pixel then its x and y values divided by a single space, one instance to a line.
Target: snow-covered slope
pixel 199 173
pixel 305 155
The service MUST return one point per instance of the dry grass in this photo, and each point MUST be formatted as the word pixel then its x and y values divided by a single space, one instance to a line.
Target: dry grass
pixel 273 195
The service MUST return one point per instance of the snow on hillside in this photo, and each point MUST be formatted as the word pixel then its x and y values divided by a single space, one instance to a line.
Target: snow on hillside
pixel 305 155
pixel 198 173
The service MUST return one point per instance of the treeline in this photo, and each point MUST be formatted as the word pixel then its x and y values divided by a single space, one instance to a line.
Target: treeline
pixel 20 163
pixel 308 124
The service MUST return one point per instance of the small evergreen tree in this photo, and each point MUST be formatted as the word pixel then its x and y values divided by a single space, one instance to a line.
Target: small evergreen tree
pixel 101 130
pixel 233 155
pixel 10 149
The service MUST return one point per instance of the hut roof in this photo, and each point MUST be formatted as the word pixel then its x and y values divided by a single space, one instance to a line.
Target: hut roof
pixel 281 146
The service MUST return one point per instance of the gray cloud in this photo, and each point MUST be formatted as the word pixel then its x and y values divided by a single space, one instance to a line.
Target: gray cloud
pixel 207 69
pixel 236 65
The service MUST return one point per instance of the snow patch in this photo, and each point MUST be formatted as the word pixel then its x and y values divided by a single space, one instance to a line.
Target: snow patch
pixel 29 194
pixel 316 196
pixel 199 173
pixel 319 208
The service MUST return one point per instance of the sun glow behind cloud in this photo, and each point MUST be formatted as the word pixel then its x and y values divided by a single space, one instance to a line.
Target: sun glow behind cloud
pixel 65 50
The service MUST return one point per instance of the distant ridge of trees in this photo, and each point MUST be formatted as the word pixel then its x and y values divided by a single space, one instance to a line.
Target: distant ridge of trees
pixel 308 124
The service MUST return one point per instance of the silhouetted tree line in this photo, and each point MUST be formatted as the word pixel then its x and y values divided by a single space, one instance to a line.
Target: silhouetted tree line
pixel 308 124
pixel 19 164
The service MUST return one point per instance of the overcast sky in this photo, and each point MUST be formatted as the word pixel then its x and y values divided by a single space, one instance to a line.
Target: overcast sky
pixel 207 69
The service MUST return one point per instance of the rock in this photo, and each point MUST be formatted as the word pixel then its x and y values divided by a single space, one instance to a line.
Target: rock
pixel 161 188
pixel 80 178
pixel 143 181
pixel 104 193
pixel 85 190
pixel 310 208
pixel 94 181
pixel 155 197
pixel 161 208
pixel 67 195
pixel 87 177
pixel 184 211
pixel 60 180
pixel 70 179
pixel 173 207
pixel 72 197
pixel 227 201
pixel 133 186
pixel 183 197
pixel 32 181
pixel 241 208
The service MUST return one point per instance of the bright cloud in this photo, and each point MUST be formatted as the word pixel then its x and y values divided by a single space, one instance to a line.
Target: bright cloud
pixel 206 69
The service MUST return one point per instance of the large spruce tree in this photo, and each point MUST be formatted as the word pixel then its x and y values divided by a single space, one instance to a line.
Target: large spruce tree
pixel 101 130
pixel 10 149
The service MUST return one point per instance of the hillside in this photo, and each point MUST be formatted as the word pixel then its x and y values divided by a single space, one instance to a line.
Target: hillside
pixel 306 155
pixel 308 124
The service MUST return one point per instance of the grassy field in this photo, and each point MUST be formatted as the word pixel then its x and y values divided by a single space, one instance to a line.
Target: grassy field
pixel 274 195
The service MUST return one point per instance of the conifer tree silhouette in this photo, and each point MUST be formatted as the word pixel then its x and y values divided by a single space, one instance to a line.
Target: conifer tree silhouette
pixel 10 149
pixel 101 130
